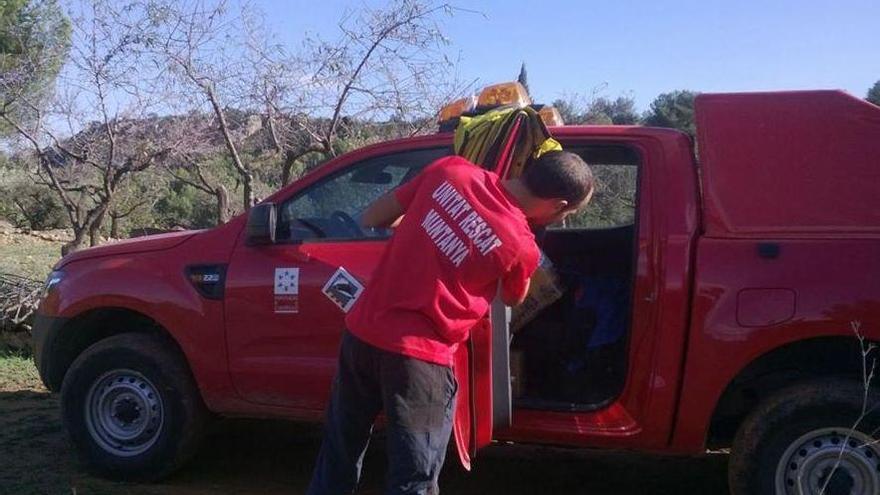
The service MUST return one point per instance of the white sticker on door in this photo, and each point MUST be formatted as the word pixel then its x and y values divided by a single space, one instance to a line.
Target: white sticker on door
pixel 343 289
pixel 286 290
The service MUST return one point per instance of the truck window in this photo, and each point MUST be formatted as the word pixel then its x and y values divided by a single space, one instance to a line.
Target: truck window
pixel 331 209
pixel 614 202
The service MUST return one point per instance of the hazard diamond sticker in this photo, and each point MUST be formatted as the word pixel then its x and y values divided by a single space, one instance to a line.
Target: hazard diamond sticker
pixel 343 289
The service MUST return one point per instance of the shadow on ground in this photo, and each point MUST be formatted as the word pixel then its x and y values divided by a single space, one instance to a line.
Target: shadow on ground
pixel 274 457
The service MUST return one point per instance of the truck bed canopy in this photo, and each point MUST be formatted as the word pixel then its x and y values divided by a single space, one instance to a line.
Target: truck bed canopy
pixel 790 163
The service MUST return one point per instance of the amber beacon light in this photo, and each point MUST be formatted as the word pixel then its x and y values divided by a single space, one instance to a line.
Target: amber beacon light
pixel 550 116
pixel 457 108
pixel 508 93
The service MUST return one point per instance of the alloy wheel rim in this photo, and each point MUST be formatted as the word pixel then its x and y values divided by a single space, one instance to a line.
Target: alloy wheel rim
pixel 124 413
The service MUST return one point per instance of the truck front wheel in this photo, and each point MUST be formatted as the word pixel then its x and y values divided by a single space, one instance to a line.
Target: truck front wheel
pixel 810 439
pixel 131 408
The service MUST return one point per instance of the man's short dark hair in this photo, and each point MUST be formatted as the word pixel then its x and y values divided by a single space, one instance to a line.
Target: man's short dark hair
pixel 559 174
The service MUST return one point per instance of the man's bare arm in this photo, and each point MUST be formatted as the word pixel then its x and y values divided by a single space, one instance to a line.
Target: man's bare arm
pixel 384 212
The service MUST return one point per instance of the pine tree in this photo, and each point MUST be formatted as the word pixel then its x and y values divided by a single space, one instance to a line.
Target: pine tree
pixel 523 77
pixel 674 109
pixel 874 94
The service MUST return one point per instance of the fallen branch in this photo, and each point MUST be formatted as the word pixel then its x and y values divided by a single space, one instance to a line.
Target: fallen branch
pixel 19 298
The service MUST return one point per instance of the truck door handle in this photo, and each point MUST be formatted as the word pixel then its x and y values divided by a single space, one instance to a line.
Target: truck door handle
pixel 769 250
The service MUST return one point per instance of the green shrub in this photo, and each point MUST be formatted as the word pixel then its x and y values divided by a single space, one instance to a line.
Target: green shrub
pixel 31 206
pixel 183 205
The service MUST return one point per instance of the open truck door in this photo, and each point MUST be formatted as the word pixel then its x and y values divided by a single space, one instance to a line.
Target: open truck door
pixel 482 369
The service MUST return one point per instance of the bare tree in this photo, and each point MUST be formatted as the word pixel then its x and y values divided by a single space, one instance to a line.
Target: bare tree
pixel 191 172
pixel 175 82
pixel 195 162
pixel 191 168
pixel 198 41
pixel 137 194
pixel 386 64
pixel 108 91
pixel 34 41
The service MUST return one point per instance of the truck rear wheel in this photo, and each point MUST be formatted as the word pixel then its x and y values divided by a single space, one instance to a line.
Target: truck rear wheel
pixel 131 408
pixel 809 439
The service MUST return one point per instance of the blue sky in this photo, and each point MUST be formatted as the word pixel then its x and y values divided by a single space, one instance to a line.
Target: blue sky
pixel 644 48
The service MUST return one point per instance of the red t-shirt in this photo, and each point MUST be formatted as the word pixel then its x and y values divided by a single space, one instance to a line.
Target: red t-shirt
pixel 461 233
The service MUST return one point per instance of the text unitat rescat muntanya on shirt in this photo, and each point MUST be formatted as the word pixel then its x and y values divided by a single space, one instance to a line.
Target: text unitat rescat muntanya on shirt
pixel 468 224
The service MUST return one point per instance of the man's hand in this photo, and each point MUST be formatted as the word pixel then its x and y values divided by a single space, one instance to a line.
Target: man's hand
pixel 514 299
pixel 385 212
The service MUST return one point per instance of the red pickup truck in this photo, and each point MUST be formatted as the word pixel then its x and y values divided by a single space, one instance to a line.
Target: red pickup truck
pixel 707 304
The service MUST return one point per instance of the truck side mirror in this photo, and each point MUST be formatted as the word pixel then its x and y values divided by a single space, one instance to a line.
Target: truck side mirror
pixel 261 224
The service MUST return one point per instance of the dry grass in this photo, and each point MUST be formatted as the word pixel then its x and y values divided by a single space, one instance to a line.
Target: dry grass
pixel 27 255
pixel 17 373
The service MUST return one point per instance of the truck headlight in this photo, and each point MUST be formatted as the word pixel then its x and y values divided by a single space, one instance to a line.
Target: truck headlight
pixel 52 280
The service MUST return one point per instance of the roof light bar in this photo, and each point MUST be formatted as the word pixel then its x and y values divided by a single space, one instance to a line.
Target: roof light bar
pixel 494 96
pixel 551 116
pixel 509 93
pixel 457 108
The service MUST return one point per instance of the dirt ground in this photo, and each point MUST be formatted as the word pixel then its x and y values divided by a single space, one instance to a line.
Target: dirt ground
pixel 272 457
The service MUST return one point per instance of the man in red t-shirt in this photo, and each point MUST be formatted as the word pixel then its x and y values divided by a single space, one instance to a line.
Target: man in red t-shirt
pixel 464 233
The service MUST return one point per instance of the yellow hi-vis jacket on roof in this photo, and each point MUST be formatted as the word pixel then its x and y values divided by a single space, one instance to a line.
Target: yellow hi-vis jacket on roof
pixel 481 139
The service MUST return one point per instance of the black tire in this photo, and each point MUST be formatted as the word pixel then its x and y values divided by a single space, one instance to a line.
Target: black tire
pixel 108 376
pixel 806 426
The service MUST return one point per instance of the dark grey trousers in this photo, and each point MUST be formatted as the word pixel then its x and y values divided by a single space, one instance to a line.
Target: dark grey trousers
pixel 418 399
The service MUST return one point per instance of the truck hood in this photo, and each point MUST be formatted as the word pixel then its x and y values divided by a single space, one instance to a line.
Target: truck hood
pixel 144 244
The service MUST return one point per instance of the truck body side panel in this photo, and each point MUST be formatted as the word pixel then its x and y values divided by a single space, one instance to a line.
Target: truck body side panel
pixel 752 297
pixel 154 284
